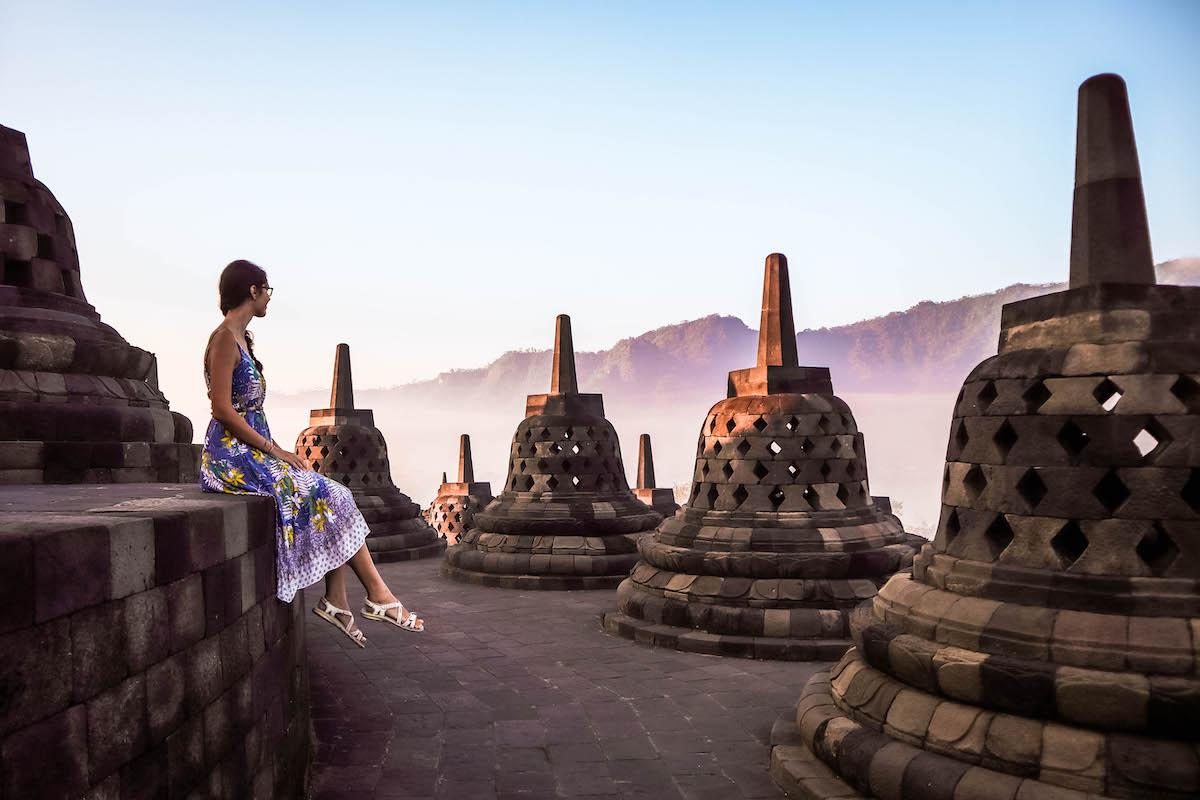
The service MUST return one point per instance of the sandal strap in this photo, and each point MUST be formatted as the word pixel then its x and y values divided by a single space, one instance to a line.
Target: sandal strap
pixel 380 607
pixel 332 609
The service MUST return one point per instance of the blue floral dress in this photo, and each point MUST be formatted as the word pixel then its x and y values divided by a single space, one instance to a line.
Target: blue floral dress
pixel 318 526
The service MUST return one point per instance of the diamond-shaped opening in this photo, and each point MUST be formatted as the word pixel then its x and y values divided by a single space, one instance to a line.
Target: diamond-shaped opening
pixel 987 394
pixel 1035 397
pixel 1031 488
pixel 975 482
pixel 774 447
pixel 528 482
pixel 514 482
pixel 552 483
pixel 727 470
pixel 575 481
pixel 776 497
pixel 1191 491
pixel 998 536
pixel 743 447
pixel 545 435
pixel 1151 438
pixel 1188 392
pixel 843 494
pixel 792 424
pixel 554 448
pixel 316 465
pixel 807 445
pixel 528 434
pixel 953 526
pixel 307 452
pixel 760 424
pixel 542 465
pixel 730 425
pixel 566 465
pixel 324 452
pixel 575 449
pixel 825 469
pixel 1005 437
pixel 760 471
pixel 713 494
pixel 1072 438
pixel 740 494
pixel 793 469
pixel 836 446
pixel 717 448
pixel 458 517
pixel 568 433
pixel 1107 394
pixel 1111 491
pixel 316 440
pixel 845 422
pixel 812 497
pixel 704 470
pixel 961 437
pixel 1157 550
pixel 521 466
pixel 591 433
pixel 823 423
pixel 1069 543
pixel 695 491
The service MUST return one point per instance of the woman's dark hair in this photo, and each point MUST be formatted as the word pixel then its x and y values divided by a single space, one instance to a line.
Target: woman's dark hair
pixel 234 289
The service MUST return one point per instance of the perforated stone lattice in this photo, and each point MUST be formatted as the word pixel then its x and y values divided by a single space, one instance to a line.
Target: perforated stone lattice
pixel 1049 458
pixel 353 456
pixel 549 458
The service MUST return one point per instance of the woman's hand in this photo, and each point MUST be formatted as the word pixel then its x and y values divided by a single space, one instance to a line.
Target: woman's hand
pixel 286 456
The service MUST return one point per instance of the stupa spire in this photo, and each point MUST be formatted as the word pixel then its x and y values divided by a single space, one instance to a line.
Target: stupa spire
pixel 645 473
pixel 466 469
pixel 777 330
pixel 342 396
pixel 1110 236
pixel 562 374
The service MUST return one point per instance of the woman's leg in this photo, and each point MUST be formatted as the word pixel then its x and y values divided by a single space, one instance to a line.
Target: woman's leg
pixel 335 588
pixel 372 581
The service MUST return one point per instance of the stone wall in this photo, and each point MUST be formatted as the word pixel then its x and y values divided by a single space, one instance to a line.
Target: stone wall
pixel 144 652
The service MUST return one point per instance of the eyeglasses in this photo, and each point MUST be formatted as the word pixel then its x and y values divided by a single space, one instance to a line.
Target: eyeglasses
pixel 270 290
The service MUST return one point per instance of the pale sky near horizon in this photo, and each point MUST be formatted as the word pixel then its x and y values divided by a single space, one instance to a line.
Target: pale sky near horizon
pixel 432 183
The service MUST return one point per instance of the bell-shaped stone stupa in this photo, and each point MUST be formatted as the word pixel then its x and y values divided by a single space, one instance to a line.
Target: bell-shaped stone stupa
pixel 1047 644
pixel 343 443
pixel 661 500
pixel 78 404
pixel 566 518
pixel 453 510
pixel 780 538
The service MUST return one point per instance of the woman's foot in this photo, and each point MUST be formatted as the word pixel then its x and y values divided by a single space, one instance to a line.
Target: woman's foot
pixel 340 617
pixel 386 605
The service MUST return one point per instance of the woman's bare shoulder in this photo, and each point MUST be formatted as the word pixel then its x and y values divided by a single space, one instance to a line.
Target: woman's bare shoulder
pixel 221 342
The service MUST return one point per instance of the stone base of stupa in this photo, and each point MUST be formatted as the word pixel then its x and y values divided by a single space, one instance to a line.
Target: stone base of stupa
pixel 690 640
pixel 398 532
pixel 818 751
pixel 661 500
pixel 514 561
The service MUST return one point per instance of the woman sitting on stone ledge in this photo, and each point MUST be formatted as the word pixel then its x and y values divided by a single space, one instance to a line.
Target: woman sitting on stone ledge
pixel 319 528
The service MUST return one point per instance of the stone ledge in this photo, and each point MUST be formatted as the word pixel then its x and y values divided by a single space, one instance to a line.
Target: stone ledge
pixel 140 627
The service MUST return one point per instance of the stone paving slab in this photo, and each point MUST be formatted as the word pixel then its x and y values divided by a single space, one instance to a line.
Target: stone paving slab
pixel 515 695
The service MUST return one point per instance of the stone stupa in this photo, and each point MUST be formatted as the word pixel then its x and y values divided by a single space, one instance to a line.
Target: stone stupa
pixel 1047 644
pixel 780 538
pixel 342 442
pixel 566 518
pixel 78 404
pixel 453 510
pixel 661 500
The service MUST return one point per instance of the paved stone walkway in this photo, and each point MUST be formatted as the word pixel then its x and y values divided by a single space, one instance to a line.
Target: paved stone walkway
pixel 520 695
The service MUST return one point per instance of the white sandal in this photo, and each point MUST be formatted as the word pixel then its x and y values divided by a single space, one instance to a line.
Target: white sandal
pixel 378 611
pixel 330 613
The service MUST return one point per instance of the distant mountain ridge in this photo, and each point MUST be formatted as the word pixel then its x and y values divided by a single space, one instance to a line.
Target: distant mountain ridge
pixel 929 347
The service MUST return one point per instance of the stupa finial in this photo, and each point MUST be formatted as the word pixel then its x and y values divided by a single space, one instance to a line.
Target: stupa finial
pixel 777 330
pixel 562 375
pixel 1110 236
pixel 444 480
pixel 466 469
pixel 342 396
pixel 645 473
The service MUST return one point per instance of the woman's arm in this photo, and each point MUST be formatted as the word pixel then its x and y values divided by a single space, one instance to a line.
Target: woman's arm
pixel 223 356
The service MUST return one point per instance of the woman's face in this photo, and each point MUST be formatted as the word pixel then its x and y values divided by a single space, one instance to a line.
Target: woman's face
pixel 260 297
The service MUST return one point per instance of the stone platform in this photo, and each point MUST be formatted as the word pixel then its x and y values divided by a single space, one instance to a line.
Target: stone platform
pixel 145 654
pixel 510 697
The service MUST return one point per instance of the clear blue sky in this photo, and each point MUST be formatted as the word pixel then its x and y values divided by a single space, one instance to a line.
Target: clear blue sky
pixel 433 182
